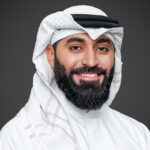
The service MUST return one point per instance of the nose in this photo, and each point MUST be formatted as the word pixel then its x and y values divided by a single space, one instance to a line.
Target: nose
pixel 90 58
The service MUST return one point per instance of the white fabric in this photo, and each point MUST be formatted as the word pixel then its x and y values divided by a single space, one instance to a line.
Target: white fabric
pixel 49 121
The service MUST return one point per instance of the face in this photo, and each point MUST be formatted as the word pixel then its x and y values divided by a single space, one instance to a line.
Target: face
pixel 83 68
pixel 80 50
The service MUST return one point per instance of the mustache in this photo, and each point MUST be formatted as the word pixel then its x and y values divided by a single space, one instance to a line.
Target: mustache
pixel 87 69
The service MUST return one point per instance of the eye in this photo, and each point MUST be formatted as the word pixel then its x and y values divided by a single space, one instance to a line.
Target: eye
pixel 102 49
pixel 77 48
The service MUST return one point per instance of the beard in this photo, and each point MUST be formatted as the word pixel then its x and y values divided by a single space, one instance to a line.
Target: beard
pixel 85 95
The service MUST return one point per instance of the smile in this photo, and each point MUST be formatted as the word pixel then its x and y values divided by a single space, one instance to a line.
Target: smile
pixel 89 76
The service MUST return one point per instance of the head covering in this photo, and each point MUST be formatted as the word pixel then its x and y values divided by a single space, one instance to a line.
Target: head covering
pixel 64 23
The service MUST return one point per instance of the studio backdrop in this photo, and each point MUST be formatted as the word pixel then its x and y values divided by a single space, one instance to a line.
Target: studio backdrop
pixel 18 27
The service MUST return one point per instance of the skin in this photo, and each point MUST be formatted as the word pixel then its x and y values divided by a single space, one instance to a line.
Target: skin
pixel 80 50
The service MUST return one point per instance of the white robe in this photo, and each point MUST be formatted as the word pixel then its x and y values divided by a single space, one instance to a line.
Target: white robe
pixel 61 125
pixel 50 122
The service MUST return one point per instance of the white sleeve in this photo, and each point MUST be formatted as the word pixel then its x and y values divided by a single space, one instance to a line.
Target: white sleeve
pixel 147 133
pixel 145 137
pixel 13 136
pixel 6 139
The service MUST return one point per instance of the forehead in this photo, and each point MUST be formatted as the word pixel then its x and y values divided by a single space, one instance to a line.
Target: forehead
pixel 84 37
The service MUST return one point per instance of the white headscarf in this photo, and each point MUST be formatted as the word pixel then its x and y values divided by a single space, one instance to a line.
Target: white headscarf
pixel 61 24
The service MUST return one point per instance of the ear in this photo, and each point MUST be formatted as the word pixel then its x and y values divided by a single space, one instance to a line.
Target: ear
pixel 50 55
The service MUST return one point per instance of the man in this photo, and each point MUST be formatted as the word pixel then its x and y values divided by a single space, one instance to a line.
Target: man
pixel 78 62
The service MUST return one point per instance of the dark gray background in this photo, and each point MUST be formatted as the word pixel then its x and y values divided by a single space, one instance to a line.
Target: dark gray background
pixel 19 21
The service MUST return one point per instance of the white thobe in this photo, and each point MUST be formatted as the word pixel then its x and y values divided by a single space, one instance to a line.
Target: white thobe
pixel 62 126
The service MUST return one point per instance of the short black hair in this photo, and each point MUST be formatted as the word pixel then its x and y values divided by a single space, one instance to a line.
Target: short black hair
pixel 55 45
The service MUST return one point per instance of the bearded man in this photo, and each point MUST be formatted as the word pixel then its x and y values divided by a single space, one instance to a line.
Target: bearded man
pixel 78 73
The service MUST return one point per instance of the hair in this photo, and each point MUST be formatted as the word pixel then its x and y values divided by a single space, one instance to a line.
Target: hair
pixel 55 46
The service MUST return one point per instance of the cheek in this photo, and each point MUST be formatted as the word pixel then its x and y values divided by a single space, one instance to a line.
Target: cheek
pixel 68 60
pixel 107 62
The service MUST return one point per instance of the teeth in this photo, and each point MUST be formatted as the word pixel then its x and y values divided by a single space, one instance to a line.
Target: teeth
pixel 89 75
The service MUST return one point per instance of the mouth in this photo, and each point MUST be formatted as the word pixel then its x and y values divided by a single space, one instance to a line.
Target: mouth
pixel 89 76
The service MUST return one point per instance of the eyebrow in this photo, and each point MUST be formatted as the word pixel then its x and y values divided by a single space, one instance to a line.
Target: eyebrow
pixel 103 40
pixel 75 39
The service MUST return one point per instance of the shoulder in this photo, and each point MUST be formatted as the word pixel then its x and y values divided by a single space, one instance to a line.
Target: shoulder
pixel 134 128
pixel 127 120
pixel 13 135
